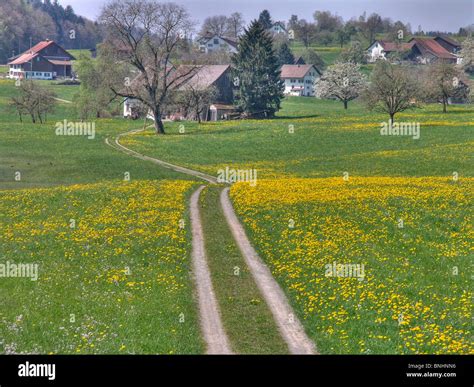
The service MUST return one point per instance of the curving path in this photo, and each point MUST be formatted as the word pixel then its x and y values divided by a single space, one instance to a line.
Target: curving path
pixel 288 324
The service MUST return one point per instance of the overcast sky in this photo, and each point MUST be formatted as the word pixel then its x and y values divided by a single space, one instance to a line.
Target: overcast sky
pixel 442 15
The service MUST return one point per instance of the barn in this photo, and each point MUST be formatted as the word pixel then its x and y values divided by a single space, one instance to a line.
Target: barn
pixel 45 60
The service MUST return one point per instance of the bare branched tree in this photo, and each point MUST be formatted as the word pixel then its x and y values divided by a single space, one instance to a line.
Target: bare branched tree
pixel 215 25
pixel 392 89
pixel 443 82
pixel 195 101
pixel 147 35
pixel 235 25
pixel 34 101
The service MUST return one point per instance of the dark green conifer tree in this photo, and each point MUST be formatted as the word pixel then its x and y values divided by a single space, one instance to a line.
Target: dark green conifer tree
pixel 257 74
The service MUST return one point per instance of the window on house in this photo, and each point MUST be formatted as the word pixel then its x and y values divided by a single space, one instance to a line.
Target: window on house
pixel 216 41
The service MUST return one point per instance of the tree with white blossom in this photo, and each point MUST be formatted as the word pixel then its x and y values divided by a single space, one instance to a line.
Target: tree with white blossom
pixel 467 55
pixel 342 81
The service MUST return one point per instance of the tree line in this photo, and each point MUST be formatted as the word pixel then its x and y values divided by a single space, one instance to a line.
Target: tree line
pixel 29 21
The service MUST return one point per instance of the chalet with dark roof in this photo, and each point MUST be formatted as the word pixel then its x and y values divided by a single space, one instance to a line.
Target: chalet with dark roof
pixel 212 43
pixel 278 29
pixel 45 60
pixel 449 44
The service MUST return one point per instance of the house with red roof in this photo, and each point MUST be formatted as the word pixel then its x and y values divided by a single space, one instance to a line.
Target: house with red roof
pixel 45 60
pixel 427 51
pixel 299 79
pixel 417 50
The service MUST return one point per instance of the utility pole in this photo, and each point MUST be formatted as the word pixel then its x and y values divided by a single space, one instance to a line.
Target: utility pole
pixel 31 59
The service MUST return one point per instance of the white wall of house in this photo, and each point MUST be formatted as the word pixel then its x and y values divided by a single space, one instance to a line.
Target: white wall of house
pixel 216 44
pixel 128 104
pixel 16 72
pixel 376 51
pixel 39 75
pixel 301 87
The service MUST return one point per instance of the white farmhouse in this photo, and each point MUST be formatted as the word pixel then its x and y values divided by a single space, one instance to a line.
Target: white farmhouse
pixel 215 43
pixel 381 48
pixel 299 79
pixel 278 28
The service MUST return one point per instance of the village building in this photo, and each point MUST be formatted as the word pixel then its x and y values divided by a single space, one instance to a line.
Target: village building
pixel 449 44
pixel 380 49
pixel 45 60
pixel 212 43
pixel 202 78
pixel 278 28
pixel 426 51
pixel 299 79
pixel 417 50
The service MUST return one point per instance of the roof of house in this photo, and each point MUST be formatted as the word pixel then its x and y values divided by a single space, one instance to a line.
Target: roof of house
pixel 33 52
pixel 220 106
pixel 279 23
pixel 300 60
pixel 23 58
pixel 394 46
pixel 203 77
pixel 231 41
pixel 449 40
pixel 433 47
pixel 41 45
pixel 296 71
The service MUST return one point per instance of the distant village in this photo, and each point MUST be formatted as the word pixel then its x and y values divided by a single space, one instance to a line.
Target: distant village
pixel 47 60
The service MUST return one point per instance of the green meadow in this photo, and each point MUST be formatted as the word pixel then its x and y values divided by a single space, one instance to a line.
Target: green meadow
pixel 301 157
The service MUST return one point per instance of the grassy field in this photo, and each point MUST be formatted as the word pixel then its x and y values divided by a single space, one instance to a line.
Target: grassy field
pixel 410 300
pixel 412 295
pixel 326 141
pixel 329 54
pixel 45 159
pixel 116 282
pixel 3 70
pixel 119 282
